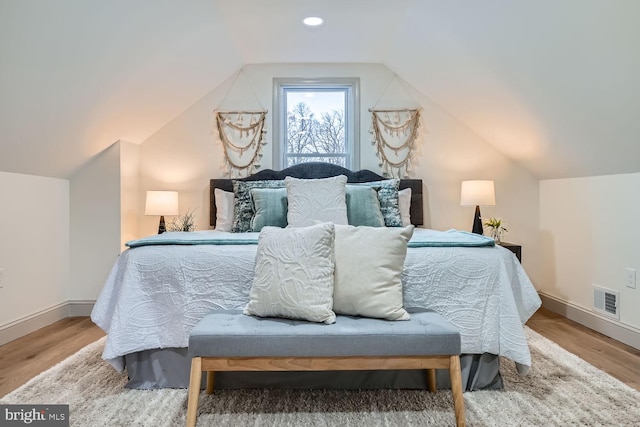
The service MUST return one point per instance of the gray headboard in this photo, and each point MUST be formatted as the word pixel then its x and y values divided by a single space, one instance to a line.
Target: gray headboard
pixel 314 170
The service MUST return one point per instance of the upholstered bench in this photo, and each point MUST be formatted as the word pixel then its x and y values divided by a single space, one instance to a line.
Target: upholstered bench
pixel 227 340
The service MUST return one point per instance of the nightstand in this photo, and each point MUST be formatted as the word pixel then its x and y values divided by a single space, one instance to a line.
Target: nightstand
pixel 516 249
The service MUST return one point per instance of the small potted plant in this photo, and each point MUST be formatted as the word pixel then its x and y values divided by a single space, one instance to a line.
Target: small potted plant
pixel 184 222
pixel 496 228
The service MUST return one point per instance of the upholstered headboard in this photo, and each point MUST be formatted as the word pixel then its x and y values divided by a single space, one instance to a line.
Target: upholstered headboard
pixel 316 170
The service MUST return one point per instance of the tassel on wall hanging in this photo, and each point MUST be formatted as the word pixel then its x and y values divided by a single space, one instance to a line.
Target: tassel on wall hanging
pixel 395 132
pixel 242 136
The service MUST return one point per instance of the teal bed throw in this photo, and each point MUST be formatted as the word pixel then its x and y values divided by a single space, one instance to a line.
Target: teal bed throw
pixel 422 237
pixel 196 238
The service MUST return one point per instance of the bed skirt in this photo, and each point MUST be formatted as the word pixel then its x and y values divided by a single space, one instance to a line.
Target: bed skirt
pixel 170 367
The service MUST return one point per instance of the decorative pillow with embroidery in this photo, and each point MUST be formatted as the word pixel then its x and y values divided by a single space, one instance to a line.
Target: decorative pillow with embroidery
pixel 294 274
pixel 312 200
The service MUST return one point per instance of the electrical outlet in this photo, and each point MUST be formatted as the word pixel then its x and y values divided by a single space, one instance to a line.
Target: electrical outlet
pixel 1 278
pixel 631 278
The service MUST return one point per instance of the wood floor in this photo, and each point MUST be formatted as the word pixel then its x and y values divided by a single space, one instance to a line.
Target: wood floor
pixel 24 358
pixel 618 360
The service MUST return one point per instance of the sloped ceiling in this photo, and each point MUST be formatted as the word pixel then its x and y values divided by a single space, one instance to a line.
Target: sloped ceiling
pixel 552 84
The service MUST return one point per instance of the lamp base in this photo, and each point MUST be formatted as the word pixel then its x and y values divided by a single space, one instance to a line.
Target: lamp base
pixel 477 222
pixel 161 227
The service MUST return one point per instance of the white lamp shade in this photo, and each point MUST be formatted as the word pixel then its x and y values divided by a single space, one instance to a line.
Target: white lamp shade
pixel 477 193
pixel 161 203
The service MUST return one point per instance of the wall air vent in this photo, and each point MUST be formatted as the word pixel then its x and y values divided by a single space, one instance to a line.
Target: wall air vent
pixel 606 302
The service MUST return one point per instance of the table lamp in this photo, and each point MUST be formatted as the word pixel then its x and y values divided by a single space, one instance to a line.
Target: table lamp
pixel 477 193
pixel 161 203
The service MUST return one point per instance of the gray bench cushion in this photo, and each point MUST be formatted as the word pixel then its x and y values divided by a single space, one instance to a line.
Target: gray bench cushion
pixel 229 333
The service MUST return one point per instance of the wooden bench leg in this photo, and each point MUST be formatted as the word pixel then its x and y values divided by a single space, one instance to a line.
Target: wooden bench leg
pixel 210 378
pixel 431 380
pixel 456 389
pixel 195 382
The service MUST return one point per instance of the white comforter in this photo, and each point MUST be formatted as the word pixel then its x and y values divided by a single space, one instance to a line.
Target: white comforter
pixel 155 294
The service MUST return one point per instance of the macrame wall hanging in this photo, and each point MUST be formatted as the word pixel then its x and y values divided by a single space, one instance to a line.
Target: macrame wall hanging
pixel 242 137
pixel 394 136
pixel 241 133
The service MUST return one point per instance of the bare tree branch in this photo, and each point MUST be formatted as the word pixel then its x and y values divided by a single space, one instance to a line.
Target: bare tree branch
pixel 308 135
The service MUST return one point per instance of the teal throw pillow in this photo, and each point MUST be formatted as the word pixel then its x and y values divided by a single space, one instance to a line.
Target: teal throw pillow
pixel 388 198
pixel 243 205
pixel 270 206
pixel 363 207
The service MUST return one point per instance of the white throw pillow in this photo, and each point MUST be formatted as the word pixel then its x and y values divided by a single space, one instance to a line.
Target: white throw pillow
pixel 294 274
pixel 369 264
pixel 404 203
pixel 224 209
pixel 311 200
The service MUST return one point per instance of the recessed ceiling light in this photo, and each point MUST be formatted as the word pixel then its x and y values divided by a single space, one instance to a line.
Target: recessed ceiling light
pixel 313 21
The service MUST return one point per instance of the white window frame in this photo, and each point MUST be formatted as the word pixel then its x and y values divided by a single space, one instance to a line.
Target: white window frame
pixel 351 85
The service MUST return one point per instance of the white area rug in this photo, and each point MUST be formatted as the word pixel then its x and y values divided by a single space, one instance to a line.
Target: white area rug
pixel 560 390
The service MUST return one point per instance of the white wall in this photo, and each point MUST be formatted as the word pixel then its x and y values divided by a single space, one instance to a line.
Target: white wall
pixel 60 238
pixel 589 236
pixel 95 223
pixel 186 153
pixel 450 153
pixel 34 244
pixel 130 209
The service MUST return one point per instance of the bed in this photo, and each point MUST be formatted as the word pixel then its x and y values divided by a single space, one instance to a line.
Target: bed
pixel 162 286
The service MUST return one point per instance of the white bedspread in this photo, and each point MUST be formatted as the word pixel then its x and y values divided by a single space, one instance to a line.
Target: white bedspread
pixel 156 294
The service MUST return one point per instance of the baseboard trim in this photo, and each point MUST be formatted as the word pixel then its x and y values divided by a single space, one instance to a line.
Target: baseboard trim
pixel 40 319
pixel 626 334
pixel 80 308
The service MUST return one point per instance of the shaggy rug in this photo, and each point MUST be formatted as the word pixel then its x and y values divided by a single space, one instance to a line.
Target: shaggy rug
pixel 560 390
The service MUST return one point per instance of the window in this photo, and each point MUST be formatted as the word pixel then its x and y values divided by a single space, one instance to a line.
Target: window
pixel 316 121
